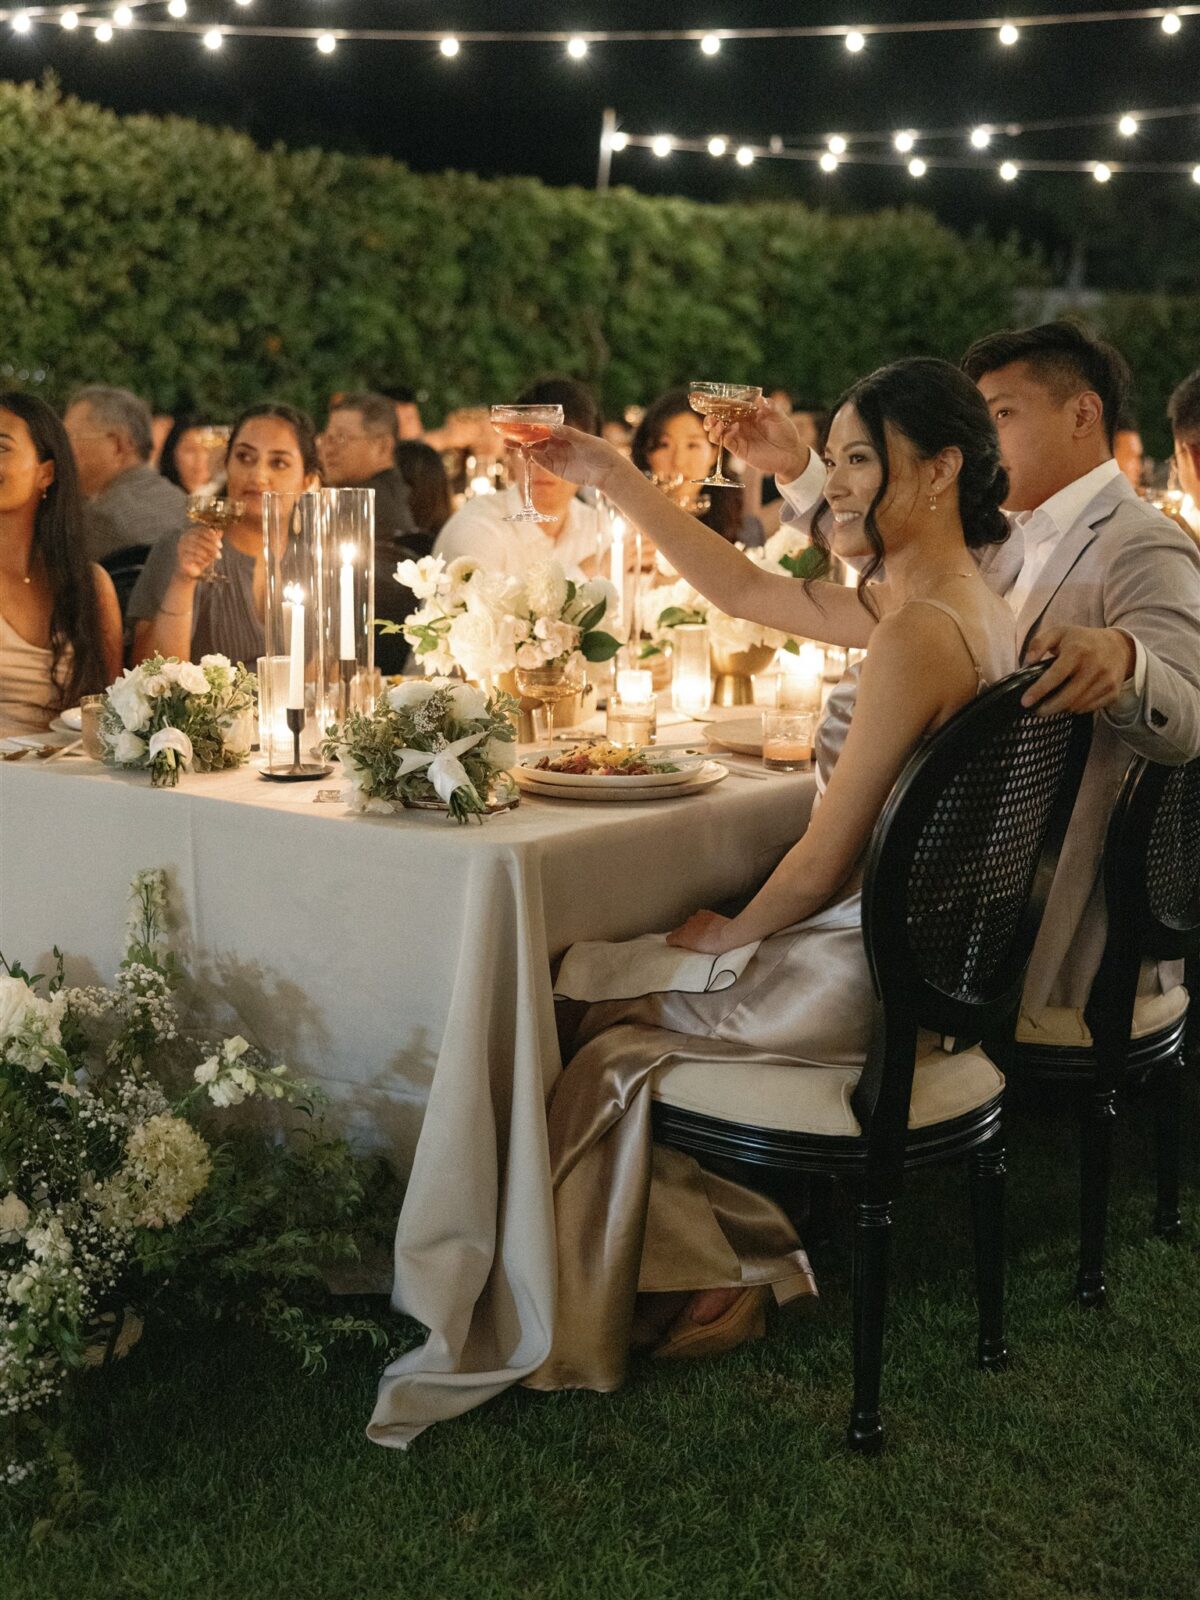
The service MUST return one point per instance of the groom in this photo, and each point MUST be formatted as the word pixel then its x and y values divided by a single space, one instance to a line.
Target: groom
pixel 1100 582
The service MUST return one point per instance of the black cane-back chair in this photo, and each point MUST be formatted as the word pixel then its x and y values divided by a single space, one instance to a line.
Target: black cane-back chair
pixel 1152 896
pixel 955 881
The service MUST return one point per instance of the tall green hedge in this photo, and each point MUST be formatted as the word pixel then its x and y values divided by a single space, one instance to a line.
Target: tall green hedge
pixel 188 263
pixel 1159 335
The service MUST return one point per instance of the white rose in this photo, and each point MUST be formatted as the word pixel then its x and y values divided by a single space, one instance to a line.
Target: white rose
pixel 530 656
pixel 546 588
pixel 170 669
pixel 14 1218
pixel 407 696
pixel 494 594
pixel 129 702
pixel 221 663
pixel 193 678
pixel 128 749
pixel 460 572
pixel 474 643
pixel 467 702
pixel 17 1001
pixel 156 685
pixel 171 739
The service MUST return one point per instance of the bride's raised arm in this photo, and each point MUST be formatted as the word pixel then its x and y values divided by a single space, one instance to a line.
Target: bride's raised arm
pixel 721 573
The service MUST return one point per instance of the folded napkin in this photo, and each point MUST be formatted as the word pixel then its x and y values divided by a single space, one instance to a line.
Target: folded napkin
pixel 595 970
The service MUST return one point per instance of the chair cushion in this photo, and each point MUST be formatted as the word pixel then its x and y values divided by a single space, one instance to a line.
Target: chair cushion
pixel 1060 1025
pixel 816 1100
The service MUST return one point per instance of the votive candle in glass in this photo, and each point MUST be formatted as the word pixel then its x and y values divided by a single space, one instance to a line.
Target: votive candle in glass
pixel 635 686
pixel 630 722
pixel 691 669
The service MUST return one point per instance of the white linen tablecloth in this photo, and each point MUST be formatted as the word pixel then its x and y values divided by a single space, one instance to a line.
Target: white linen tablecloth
pixel 403 963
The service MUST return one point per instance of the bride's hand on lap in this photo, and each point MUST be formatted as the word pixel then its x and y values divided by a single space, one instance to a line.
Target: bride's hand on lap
pixel 705 931
pixel 577 457
pixel 766 440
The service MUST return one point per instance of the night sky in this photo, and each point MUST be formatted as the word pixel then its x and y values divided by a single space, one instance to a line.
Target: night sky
pixel 528 109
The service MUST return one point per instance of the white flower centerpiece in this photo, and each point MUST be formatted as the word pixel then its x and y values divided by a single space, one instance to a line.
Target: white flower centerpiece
pixel 173 716
pixel 428 742
pixel 785 554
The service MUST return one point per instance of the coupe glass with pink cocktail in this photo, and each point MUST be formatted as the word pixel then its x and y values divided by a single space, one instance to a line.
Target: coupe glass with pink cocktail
pixel 727 403
pixel 521 427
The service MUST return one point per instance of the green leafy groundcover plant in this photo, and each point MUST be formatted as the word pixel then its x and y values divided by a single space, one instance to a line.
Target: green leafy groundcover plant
pixel 186 262
pixel 122 1196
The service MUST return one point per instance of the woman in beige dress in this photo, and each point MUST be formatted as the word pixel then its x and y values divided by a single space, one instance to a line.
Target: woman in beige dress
pixel 60 624
pixel 913 479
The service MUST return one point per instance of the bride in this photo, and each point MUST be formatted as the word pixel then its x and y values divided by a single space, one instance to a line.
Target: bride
pixel 913 484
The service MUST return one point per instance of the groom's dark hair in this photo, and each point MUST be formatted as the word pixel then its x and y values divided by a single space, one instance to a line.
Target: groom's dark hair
pixel 1065 358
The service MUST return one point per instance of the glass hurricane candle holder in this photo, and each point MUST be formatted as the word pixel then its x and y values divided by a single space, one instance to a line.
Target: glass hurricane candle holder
pixel 292 551
pixel 691 669
pixel 346 545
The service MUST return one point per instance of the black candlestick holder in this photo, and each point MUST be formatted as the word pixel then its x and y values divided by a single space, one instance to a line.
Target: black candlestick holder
pixel 299 771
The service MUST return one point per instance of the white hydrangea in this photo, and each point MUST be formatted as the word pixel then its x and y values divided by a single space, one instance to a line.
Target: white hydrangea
pixel 546 589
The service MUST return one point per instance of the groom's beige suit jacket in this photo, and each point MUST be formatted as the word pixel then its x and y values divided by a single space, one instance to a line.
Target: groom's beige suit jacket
pixel 1120 564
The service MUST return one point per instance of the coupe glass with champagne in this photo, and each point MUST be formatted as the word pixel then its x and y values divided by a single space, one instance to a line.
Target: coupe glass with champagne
pixel 521 427
pixel 219 515
pixel 727 403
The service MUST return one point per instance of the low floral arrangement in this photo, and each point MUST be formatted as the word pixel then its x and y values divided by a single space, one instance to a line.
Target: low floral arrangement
pixel 485 624
pixel 122 1198
pixel 172 716
pixel 428 741
pixel 784 554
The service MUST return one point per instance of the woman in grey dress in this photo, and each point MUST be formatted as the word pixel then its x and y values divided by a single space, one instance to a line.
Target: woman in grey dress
pixel 913 476
pixel 175 612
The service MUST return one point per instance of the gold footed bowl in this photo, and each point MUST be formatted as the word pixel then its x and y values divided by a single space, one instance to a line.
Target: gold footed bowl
pixel 733 671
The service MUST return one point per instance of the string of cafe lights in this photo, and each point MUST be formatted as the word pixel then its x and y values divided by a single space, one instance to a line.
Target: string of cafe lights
pixel 133 14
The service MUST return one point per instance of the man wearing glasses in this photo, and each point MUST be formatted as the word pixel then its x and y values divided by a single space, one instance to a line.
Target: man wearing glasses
pixel 129 503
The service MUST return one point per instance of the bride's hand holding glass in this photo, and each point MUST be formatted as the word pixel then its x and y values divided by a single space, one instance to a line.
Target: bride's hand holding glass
pixel 578 457
pixel 765 439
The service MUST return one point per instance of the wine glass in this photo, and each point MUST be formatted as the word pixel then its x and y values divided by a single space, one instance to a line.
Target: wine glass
pixel 521 427
pixel 727 402
pixel 556 681
pixel 218 514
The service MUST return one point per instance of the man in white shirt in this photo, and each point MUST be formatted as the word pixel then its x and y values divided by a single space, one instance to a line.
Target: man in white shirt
pixel 577 534
pixel 1099 581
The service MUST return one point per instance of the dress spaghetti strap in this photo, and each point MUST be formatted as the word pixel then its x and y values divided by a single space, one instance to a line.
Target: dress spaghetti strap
pixel 940 605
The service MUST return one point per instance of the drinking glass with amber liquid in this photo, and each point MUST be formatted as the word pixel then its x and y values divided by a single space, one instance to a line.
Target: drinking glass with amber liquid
pixel 206 511
pixel 521 427
pixel 727 403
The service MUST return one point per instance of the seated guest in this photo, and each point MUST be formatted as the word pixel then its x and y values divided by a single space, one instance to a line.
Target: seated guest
pixel 575 536
pixel 671 447
pixel 129 502
pixel 1183 413
pixel 408 412
pixel 186 459
pixel 358 451
pixel 429 502
pixel 174 611
pixel 60 625
pixel 1127 448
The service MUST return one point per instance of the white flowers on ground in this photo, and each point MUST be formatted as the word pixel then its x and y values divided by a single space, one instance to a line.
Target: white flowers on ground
pixel 229 1077
pixel 14 1218
pixel 172 716
pixel 30 1026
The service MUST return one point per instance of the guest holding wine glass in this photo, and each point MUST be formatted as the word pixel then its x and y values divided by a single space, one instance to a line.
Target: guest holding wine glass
pixel 175 610
pixel 60 624
pixel 672 448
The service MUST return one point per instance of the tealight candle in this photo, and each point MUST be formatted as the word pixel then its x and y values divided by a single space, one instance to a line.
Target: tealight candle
pixel 800 677
pixel 635 687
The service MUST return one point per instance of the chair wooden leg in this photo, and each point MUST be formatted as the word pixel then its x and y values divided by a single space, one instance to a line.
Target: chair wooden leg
pixel 872 1247
pixel 1167 1106
pixel 1095 1172
pixel 987 1212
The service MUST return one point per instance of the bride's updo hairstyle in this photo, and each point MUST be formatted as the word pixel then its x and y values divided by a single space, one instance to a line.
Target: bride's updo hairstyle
pixel 935 407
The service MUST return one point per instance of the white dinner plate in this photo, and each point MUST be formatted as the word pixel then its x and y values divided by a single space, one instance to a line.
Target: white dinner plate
pixel 710 772
pixel 742 735
pixel 70 721
pixel 528 775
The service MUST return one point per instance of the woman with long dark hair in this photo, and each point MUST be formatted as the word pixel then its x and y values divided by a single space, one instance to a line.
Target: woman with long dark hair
pixel 186 459
pixel 914 482
pixel 175 612
pixel 60 624
pixel 671 447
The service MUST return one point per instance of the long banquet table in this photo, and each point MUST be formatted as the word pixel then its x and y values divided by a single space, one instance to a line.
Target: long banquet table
pixel 401 962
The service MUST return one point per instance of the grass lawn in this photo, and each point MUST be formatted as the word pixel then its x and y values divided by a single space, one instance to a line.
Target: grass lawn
pixel 224 1473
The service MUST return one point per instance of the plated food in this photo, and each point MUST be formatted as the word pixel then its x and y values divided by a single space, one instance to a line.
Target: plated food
pixel 600 766
pixel 604 760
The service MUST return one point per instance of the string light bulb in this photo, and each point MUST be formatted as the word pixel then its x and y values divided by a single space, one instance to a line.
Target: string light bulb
pixel 1127 127
pixel 980 138
pixel 618 141
pixel 1008 171
pixel 214 39
pixel 1008 34
pixel 123 16
pixel 104 33
pixel 177 8
pixel 449 46
pixel 22 22
pixel 855 41
pixel 828 162
pixel 744 155
pixel 917 168
pixel 577 48
pixel 1171 23
pixel 69 21
pixel 837 145
pixel 904 142
pixel 661 145
pixel 710 44
pixel 717 146
pixel 1196 174
pixel 1101 172
pixel 243 2
pixel 327 44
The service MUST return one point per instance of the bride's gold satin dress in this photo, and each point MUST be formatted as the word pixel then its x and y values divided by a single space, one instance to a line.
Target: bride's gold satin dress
pixel 632 1216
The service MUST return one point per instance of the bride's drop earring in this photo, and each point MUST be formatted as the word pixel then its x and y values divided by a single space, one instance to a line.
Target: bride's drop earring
pixel 933 502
